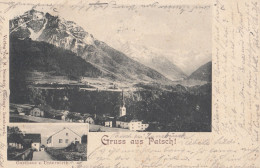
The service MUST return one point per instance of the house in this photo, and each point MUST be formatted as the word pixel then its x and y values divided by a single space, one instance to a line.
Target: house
pixel 64 115
pixel 89 120
pixel 34 139
pixel 108 123
pixel 123 122
pixel 136 125
pixel 15 141
pixel 63 138
pixel 20 111
pixel 128 122
pixel 36 112
pixel 60 114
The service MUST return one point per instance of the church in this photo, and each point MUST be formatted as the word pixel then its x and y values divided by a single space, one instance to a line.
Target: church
pixel 122 109
pixel 127 121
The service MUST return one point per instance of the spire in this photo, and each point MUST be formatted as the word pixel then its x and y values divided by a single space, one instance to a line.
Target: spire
pixel 123 99
pixel 122 110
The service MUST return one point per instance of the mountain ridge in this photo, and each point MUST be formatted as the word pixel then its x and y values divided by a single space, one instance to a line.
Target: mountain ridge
pixel 67 35
pixel 152 59
pixel 40 26
pixel 203 73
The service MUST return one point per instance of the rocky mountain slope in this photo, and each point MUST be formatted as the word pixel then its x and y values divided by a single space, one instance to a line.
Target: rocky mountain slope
pixel 54 30
pixel 203 73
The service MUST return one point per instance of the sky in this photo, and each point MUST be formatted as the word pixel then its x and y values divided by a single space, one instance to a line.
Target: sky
pixel 184 39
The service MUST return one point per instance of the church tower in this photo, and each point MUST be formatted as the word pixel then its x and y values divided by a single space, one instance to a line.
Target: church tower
pixel 122 110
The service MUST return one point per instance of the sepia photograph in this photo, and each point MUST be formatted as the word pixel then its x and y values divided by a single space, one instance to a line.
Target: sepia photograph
pixel 141 83
pixel 150 72
pixel 36 142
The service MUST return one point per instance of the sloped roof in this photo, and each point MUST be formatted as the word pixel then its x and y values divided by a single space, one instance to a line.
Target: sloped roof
pixel 85 116
pixel 62 130
pixel 125 118
pixel 36 138
pixel 15 138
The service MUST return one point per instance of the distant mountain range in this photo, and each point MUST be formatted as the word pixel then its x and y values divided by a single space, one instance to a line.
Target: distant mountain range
pixel 203 73
pixel 153 60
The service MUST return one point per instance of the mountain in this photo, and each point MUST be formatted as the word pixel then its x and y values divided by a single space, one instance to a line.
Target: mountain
pixel 153 60
pixel 27 55
pixel 203 73
pixel 40 26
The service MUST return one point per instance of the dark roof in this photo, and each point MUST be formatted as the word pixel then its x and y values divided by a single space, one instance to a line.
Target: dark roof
pixel 15 138
pixel 125 118
pixel 33 137
pixel 27 141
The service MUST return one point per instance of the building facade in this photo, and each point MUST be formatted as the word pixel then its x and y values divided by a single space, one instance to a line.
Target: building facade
pixel 89 120
pixel 36 112
pixel 122 124
pixel 63 138
pixel 108 123
pixel 136 125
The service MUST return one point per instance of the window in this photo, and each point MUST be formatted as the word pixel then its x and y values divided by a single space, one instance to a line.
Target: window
pixel 60 140
pixel 67 134
pixel 66 141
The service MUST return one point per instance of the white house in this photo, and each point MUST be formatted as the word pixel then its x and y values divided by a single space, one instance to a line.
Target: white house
pixel 136 125
pixel 15 141
pixel 89 120
pixel 15 145
pixel 64 114
pixel 20 111
pixel 122 124
pixel 132 124
pixel 108 124
pixel 63 138
pixel 36 112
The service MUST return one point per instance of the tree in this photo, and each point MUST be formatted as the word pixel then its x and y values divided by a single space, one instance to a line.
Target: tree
pixel 13 130
pixel 84 139
pixel 74 116
pixel 14 135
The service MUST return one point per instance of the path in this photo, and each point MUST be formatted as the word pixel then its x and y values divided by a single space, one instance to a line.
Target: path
pixel 41 155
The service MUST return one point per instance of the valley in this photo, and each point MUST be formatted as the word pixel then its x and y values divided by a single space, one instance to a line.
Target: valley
pixel 59 72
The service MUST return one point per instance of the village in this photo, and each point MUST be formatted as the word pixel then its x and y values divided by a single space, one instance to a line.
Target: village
pixel 122 120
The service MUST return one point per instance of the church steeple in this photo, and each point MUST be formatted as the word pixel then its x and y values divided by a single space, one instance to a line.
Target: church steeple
pixel 122 110
pixel 123 99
